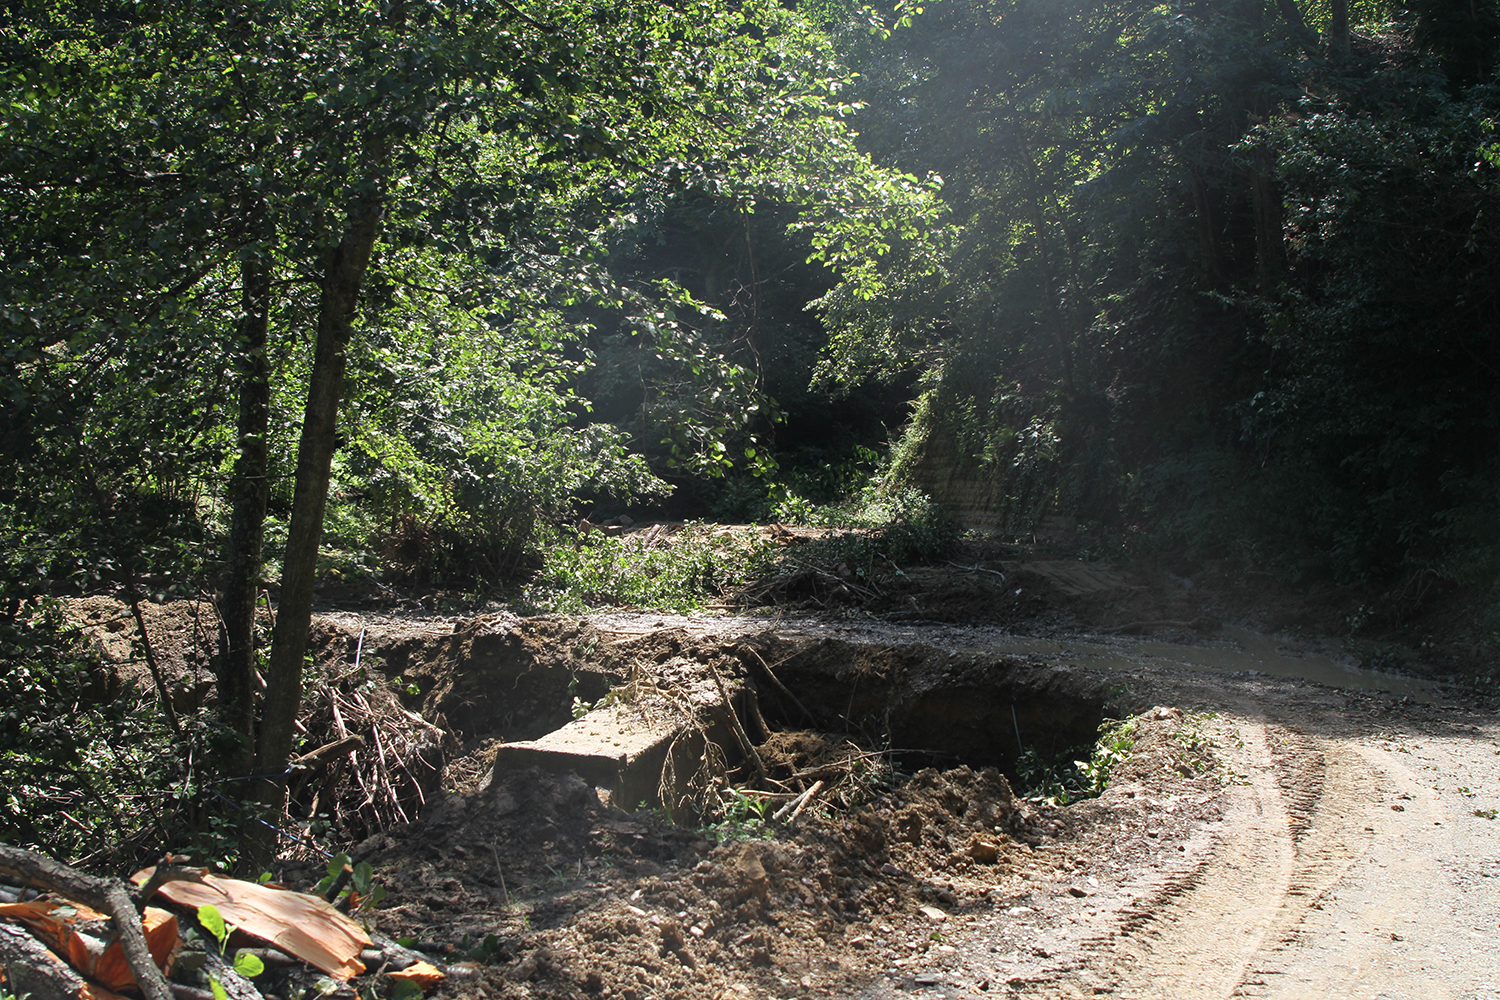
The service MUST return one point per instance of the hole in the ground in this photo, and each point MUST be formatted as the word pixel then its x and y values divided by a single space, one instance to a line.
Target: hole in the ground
pixel 928 707
pixel 654 728
pixel 517 681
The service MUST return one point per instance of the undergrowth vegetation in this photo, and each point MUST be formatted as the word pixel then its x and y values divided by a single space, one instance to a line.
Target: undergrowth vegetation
pixel 89 767
pixel 1056 780
pixel 701 564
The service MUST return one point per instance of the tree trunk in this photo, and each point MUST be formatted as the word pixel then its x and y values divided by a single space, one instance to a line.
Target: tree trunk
pixel 343 271
pixel 1051 305
pixel 1297 25
pixel 250 490
pixel 1338 27
pixel 1270 242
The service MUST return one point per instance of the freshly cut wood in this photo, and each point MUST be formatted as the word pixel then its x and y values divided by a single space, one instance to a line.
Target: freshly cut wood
pixel 424 974
pixel 83 937
pixel 300 925
pixel 34 972
pixel 105 894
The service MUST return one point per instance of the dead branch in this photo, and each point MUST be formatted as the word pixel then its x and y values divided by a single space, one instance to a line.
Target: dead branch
pixel 746 746
pixel 976 568
pixel 235 985
pixel 812 793
pixel 798 803
pixel 33 971
pixel 328 751
pixel 107 895
pixel 164 872
pixel 182 992
pixel 151 663
pixel 776 681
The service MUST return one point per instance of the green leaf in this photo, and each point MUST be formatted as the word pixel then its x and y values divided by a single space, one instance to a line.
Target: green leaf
pixel 248 965
pixel 363 874
pixel 213 922
pixel 403 989
pixel 217 988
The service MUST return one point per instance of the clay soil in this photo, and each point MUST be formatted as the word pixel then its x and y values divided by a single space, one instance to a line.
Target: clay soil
pixel 1239 848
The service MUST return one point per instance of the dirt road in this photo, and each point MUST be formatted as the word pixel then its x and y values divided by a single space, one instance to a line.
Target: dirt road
pixel 1354 855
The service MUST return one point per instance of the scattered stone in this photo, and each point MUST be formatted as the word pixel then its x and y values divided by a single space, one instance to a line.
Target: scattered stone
pixel 933 913
pixel 983 851
pixel 753 879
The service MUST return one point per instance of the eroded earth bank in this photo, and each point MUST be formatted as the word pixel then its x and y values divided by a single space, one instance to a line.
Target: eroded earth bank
pixel 562 807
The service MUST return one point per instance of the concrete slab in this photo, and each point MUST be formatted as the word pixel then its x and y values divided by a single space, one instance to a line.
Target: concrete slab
pixel 620 748
pixel 611 747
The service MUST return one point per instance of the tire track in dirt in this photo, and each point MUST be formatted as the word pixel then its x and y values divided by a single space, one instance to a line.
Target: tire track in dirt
pixel 1196 932
pixel 1291 831
pixel 1413 915
pixel 1327 831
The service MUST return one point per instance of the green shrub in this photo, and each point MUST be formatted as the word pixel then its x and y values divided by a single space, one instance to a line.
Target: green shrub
pixel 692 567
pixel 86 771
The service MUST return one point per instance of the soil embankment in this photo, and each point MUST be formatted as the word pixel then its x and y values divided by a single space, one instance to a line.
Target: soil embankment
pixel 1281 823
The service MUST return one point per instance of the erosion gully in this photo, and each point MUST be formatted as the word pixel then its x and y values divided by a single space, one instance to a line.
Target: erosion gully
pixel 1281 861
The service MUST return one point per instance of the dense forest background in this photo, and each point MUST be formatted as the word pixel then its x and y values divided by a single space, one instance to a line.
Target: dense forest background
pixel 399 291
pixel 1220 278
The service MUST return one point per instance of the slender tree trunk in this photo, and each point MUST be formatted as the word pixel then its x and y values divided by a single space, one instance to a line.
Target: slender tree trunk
pixel 250 490
pixel 343 271
pixel 1338 27
pixel 1270 242
pixel 1297 25
pixel 1266 207
pixel 1055 317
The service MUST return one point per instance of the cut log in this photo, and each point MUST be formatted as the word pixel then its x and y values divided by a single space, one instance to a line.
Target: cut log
pixel 104 894
pixel 38 974
pixel 84 938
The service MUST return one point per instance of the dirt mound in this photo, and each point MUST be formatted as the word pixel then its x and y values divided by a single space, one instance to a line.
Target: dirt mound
pixel 558 895
pixel 183 637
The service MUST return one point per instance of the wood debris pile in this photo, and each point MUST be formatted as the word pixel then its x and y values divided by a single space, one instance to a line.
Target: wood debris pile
pixel 378 765
pixel 89 938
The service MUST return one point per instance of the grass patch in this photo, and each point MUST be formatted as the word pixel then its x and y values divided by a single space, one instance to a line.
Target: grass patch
pixel 701 564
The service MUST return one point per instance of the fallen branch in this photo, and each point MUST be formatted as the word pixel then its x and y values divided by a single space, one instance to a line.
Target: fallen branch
pixel 165 872
pixel 328 751
pixel 151 663
pixel 776 681
pixel 796 805
pixel 236 986
pixel 746 746
pixel 107 895
pixel 34 972
pixel 812 793
pixel 976 568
